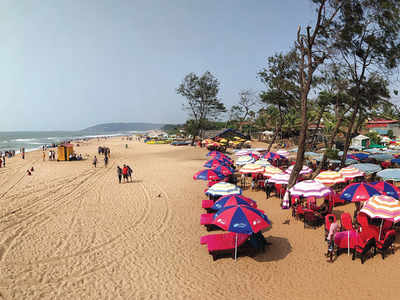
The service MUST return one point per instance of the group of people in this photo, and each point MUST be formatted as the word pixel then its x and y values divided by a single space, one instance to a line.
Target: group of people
pixel 7 153
pixel 52 155
pixel 124 173
pixel 104 150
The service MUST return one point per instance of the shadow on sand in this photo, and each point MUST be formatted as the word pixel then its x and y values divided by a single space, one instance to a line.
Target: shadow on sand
pixel 279 249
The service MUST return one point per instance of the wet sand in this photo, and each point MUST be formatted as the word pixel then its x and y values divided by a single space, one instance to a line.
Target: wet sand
pixel 70 231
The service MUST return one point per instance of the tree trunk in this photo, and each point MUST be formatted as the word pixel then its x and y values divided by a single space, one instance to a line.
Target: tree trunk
pixel 321 112
pixel 273 139
pixel 348 135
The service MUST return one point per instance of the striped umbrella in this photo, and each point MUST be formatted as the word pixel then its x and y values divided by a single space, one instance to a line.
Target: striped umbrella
pixel 283 152
pixel 244 160
pixel 330 177
pixel 351 172
pixel 310 188
pixel 357 192
pixel 223 188
pixel 263 162
pixel 271 170
pixel 382 207
pixel 242 152
pixel 280 178
pixel 251 169
pixel 233 200
pixel 368 168
pixel 304 170
pixel 390 174
pixel 208 175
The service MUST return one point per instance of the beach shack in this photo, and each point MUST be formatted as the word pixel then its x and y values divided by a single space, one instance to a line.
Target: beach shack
pixel 359 142
pixel 64 151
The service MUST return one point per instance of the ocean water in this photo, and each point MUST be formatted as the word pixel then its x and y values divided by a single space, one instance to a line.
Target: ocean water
pixel 32 140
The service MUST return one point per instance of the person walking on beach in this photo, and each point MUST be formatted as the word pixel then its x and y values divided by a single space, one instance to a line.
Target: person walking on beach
pixel 4 160
pixel 95 161
pixel 119 173
pixel 125 173
pixel 44 155
pixel 105 161
pixel 129 173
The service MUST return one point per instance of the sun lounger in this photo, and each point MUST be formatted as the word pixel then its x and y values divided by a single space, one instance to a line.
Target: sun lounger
pixel 224 244
pixel 207 221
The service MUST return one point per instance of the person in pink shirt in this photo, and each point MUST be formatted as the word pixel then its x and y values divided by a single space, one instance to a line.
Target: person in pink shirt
pixel 332 232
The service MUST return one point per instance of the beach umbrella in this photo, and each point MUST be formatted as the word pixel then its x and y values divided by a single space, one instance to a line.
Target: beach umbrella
pixel 357 192
pixel 255 156
pixel 312 154
pixel 396 160
pixel 225 170
pixel 294 149
pixel 351 156
pixel 387 189
pixel 271 170
pixel 350 161
pixel 373 150
pixel 368 168
pixel 242 152
pixel 244 160
pixel 360 156
pixel 304 170
pixel 210 175
pixel 214 153
pixel 263 162
pixel 310 188
pixel 382 157
pixel 251 169
pixel 231 200
pixel 213 163
pixel 389 174
pixel 279 178
pixel 351 172
pixel 273 156
pixel 382 207
pixel 241 219
pixel 330 177
pixel 283 152
pixel 223 188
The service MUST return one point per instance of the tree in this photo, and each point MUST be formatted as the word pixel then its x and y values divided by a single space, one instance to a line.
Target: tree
pixel 202 100
pixel 367 44
pixel 312 47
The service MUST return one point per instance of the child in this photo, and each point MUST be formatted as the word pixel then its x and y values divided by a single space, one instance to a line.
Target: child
pixel 253 184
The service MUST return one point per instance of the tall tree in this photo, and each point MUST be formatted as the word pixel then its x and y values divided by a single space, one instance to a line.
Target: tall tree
pixel 367 41
pixel 202 103
pixel 244 110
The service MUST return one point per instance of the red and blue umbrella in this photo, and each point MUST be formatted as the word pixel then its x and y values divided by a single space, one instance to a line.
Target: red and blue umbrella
pixel 361 156
pixel 352 156
pixel 357 192
pixel 232 200
pixel 225 170
pixel 214 153
pixel 241 219
pixel 387 189
pixel 208 175
pixel 213 163
pixel 273 156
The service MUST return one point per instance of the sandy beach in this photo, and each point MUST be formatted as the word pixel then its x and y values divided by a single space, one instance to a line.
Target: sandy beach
pixel 70 231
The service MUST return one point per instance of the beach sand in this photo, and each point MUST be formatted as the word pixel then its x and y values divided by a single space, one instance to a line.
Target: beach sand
pixel 70 231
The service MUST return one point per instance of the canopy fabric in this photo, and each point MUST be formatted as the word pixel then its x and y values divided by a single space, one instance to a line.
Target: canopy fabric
pixel 351 172
pixel 213 163
pixel 396 160
pixel 283 152
pixel 382 207
pixel 357 192
pixel 376 146
pixel 224 188
pixel 271 170
pixel 304 170
pixel 382 157
pixel 251 168
pixel 387 189
pixel 211 175
pixel 231 200
pixel 242 152
pixel 280 178
pixel 310 188
pixel 214 153
pixel 368 168
pixel 263 162
pixel 389 174
pixel 225 170
pixel 312 154
pixel 350 162
pixel 360 156
pixel 244 160
pixel 273 156
pixel 329 177
pixel 241 219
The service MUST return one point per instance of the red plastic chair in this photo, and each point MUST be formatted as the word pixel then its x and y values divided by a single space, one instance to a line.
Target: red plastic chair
pixel 386 244
pixel 346 221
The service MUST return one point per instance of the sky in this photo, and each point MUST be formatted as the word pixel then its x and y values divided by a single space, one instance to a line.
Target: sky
pixel 71 64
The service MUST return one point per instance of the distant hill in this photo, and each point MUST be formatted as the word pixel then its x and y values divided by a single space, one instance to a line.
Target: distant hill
pixel 117 127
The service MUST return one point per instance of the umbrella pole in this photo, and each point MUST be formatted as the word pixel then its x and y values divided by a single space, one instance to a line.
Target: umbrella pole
pixel 380 230
pixel 348 243
pixel 236 246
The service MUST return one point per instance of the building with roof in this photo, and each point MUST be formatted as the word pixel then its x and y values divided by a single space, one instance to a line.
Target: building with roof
pixel 382 126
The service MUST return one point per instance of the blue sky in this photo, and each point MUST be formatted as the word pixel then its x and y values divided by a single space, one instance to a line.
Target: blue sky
pixel 72 64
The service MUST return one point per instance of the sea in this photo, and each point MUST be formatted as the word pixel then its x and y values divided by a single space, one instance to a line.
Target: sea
pixel 32 140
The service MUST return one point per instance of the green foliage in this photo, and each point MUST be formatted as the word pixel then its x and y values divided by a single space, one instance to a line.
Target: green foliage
pixel 374 137
pixel 332 154
pixel 390 134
